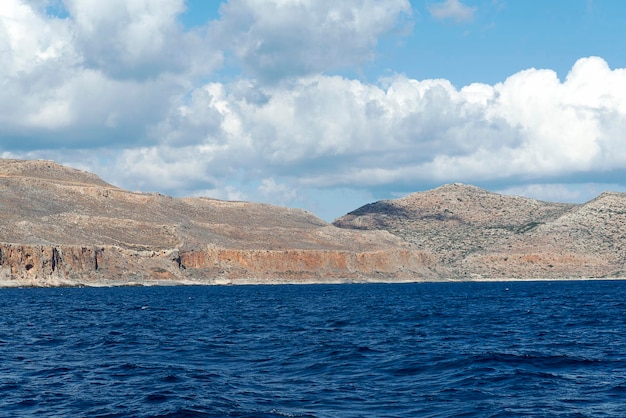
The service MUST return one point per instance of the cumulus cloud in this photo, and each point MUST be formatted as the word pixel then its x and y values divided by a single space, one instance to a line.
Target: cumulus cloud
pixel 137 39
pixel 144 111
pixel 96 74
pixel 105 73
pixel 401 134
pixel 286 38
pixel 328 131
pixel 453 10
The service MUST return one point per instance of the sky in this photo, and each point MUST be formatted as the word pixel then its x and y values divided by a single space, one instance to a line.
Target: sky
pixel 324 105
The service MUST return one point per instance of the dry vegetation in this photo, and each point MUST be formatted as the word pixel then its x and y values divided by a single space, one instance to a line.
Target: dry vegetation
pixel 60 225
pixel 479 234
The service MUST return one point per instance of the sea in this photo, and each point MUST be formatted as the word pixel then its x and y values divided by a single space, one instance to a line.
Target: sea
pixel 510 349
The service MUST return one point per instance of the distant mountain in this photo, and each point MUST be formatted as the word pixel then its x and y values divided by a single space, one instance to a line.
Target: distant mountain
pixel 65 227
pixel 476 234
pixel 61 226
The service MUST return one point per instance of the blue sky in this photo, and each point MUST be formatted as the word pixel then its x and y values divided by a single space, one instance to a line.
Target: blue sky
pixel 501 38
pixel 319 104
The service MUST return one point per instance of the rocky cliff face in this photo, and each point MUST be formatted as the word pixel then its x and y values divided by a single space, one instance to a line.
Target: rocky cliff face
pixel 477 234
pixel 65 227
pixel 60 226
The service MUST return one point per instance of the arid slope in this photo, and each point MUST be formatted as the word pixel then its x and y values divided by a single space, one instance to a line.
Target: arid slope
pixel 61 226
pixel 479 234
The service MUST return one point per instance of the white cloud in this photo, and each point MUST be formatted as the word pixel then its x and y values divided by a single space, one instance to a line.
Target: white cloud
pixel 33 61
pixel 104 73
pixel 284 38
pixel 325 131
pixel 138 38
pixel 30 41
pixel 277 193
pixel 96 77
pixel 121 88
pixel 452 9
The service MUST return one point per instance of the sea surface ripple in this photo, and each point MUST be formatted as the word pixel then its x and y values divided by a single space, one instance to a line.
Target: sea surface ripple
pixel 431 349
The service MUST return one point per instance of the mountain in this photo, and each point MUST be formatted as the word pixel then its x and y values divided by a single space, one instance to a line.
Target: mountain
pixel 477 234
pixel 65 227
pixel 62 226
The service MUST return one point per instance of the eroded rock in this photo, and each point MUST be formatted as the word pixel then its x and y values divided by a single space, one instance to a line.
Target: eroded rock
pixel 60 226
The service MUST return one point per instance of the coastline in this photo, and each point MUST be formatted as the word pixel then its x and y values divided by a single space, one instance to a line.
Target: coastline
pixel 17 284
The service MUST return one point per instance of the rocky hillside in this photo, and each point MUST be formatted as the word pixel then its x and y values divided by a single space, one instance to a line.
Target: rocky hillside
pixel 478 234
pixel 61 226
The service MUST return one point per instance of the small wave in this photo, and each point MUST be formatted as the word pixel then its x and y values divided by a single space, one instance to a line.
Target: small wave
pixel 170 378
pixel 534 359
pixel 412 350
pixel 157 398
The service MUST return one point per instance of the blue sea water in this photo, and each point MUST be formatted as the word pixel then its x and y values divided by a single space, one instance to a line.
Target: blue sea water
pixel 431 349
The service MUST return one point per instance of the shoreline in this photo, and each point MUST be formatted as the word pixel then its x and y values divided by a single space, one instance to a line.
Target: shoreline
pixel 257 282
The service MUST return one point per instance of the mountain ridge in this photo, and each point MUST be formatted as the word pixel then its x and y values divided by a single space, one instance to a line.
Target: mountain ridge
pixel 481 234
pixel 61 226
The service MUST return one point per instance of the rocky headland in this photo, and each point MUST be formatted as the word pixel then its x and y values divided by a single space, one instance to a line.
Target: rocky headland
pixel 65 227
pixel 473 234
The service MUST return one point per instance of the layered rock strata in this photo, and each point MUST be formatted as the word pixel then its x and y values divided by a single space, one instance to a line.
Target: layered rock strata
pixel 60 226
pixel 64 227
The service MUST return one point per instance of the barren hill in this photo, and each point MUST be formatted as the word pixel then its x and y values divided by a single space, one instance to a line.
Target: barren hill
pixel 61 226
pixel 479 234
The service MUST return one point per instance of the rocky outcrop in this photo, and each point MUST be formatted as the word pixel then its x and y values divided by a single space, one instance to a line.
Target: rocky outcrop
pixel 60 226
pixel 67 264
pixel 477 234
pixel 65 227
pixel 304 265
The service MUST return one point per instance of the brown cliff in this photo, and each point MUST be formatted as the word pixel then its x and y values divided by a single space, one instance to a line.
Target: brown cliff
pixel 477 234
pixel 60 226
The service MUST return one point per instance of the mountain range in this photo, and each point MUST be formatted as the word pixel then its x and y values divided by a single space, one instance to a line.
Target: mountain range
pixel 475 234
pixel 65 227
